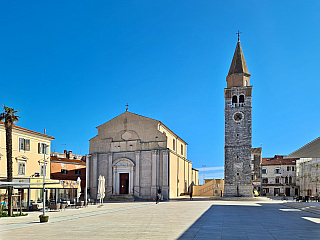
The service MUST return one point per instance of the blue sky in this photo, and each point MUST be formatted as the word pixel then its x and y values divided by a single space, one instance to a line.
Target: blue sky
pixel 70 66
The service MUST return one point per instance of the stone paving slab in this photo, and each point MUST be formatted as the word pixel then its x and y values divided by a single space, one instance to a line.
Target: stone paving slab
pixel 168 220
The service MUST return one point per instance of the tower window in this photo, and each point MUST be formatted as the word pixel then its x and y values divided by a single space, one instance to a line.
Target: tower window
pixel 241 99
pixel 181 149
pixel 174 144
pixel 246 84
pixel 234 101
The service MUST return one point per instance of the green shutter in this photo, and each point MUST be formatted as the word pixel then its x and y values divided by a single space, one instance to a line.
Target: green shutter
pixel 27 146
pixel 39 148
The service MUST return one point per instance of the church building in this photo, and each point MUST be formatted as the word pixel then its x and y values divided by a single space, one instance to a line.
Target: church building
pixel 237 168
pixel 138 155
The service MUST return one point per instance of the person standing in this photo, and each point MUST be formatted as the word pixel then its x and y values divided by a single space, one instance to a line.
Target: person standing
pixel 158 196
pixel 191 190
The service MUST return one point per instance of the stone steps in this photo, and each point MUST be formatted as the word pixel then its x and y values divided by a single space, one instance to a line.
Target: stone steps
pixel 311 209
pixel 120 198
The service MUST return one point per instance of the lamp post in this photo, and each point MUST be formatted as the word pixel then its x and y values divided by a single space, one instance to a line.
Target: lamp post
pixel 260 168
pixel 204 172
pixel 44 149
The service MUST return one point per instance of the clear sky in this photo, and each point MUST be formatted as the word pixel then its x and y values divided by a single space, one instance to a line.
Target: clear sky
pixel 70 66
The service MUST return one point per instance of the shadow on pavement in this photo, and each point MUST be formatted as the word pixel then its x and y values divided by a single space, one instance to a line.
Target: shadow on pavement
pixel 252 221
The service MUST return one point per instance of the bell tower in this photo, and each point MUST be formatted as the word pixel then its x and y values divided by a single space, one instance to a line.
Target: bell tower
pixel 237 151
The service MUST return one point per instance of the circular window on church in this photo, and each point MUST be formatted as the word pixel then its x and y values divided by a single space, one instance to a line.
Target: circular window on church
pixel 238 116
pixel 126 136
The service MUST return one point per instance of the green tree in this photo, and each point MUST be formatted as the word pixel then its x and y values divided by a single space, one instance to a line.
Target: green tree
pixel 9 116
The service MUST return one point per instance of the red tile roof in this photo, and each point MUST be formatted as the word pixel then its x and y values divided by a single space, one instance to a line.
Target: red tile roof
pixel 67 160
pixel 28 130
pixel 278 160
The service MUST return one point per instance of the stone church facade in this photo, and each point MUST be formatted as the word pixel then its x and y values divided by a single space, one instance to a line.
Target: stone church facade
pixel 137 156
pixel 238 107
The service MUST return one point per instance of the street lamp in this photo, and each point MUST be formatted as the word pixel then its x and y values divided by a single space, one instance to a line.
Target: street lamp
pixel 44 149
pixel 204 172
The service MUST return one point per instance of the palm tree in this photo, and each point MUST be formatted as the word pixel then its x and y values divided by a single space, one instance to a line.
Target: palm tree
pixel 9 118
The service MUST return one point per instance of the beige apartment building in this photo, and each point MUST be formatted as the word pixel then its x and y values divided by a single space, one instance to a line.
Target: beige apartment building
pixel 28 167
pixel 137 156
pixel 27 161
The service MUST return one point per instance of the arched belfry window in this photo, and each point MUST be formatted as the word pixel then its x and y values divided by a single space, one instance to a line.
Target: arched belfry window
pixel 246 83
pixel 234 101
pixel 241 100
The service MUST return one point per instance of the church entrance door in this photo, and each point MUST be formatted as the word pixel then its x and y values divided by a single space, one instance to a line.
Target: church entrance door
pixel 124 183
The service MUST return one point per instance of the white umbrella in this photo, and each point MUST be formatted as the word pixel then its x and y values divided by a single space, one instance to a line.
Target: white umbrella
pixel 79 188
pixel 101 188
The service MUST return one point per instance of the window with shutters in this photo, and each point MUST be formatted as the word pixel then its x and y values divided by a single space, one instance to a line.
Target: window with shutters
pixel 43 148
pixel 21 168
pixel 286 179
pixel 24 144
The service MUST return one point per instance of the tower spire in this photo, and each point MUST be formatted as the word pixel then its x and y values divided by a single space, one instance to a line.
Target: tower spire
pixel 238 74
pixel 238 64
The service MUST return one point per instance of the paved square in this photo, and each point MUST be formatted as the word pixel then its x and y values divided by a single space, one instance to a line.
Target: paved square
pixel 168 220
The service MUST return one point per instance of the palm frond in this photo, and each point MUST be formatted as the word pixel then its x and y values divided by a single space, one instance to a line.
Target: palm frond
pixel 9 115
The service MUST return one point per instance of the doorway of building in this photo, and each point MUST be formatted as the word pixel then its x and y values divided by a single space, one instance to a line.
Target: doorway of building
pixel 124 183
pixel 287 191
pixel 277 192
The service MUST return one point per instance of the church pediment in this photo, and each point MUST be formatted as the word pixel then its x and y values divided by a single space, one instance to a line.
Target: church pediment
pixel 123 162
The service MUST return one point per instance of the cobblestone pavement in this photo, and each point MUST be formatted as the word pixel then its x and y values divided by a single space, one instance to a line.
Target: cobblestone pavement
pixel 179 219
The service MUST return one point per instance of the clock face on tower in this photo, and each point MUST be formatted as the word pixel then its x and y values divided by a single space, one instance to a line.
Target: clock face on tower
pixel 238 116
